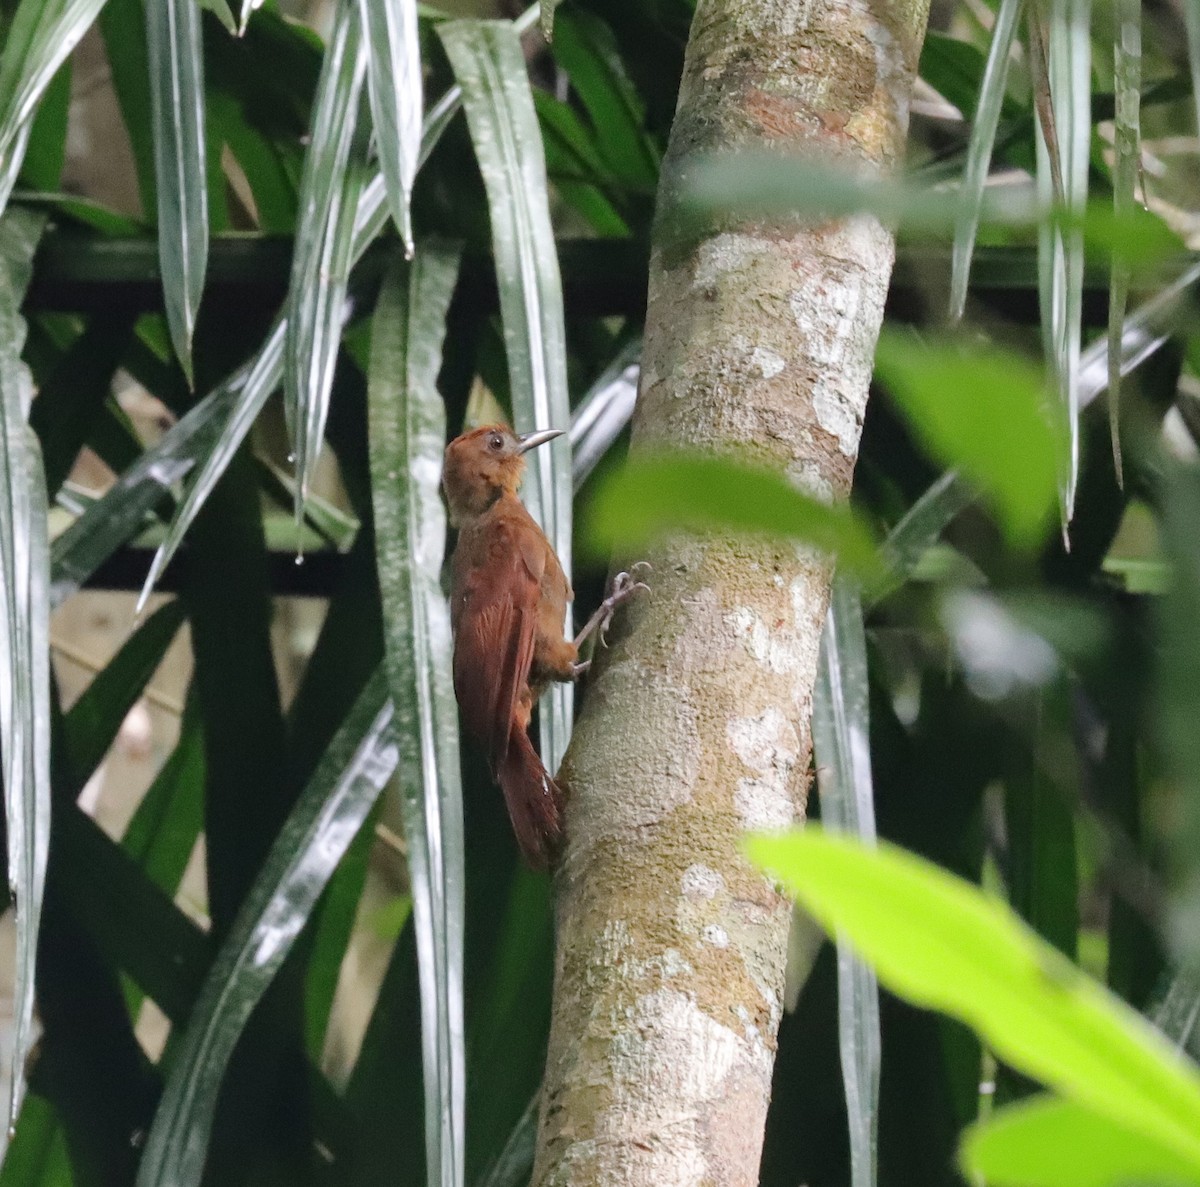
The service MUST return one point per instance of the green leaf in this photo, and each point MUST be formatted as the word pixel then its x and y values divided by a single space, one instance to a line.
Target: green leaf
pixel 394 79
pixel 133 922
pixel 490 68
pixel 547 17
pixel 652 496
pixel 1060 247
pixel 604 411
pixel 1127 70
pixel 71 397
pixel 24 639
pixel 228 414
pixel 334 168
pixel 979 410
pixel 407 438
pixel 1191 15
pixel 123 27
pixel 1050 1142
pixel 94 719
pixel 162 832
pixel 945 945
pixel 979 151
pixel 842 751
pixel 587 50
pixel 514 1164
pixel 247 9
pixel 1043 885
pixel 177 109
pixel 919 530
pixel 42 35
pixel 304 856
pixel 111 521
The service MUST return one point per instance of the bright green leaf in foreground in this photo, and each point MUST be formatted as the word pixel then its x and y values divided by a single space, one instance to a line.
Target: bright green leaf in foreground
pixel 946 945
pixel 689 493
pixel 1050 1142
pixel 982 411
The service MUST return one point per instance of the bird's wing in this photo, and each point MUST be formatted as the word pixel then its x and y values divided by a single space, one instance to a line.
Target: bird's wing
pixel 493 649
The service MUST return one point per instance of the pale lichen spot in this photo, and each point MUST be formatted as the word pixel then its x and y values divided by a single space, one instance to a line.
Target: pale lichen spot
pixel 715 935
pixel 769 745
pixel 727 253
pixel 699 881
pixel 837 417
pixel 768 363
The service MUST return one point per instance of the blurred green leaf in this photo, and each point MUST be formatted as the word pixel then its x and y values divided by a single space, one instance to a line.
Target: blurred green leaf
pixel 842 753
pixel 47 151
pixel 514 1164
pixel 1191 16
pixel 1178 697
pixel 490 68
pixel 982 411
pixel 979 151
pixel 37 42
pixel 177 109
pixel 1050 1142
pixel 407 437
pixel 1127 70
pixel 655 495
pixel 918 531
pixel 943 944
pixel 334 173
pixel 1060 249
pixel 304 856
pixel 24 636
pixel 394 77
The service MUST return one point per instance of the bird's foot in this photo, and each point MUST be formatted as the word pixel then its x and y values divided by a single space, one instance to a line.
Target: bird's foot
pixel 578 670
pixel 624 586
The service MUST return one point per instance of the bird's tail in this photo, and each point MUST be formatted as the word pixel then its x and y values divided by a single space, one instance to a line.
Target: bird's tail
pixel 534 801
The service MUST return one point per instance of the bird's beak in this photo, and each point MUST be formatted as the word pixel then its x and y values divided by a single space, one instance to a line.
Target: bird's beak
pixel 533 440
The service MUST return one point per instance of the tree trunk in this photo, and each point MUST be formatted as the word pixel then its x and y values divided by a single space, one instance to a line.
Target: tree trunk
pixel 759 342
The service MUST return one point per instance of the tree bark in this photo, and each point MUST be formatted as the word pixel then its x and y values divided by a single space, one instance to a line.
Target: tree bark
pixel 759 342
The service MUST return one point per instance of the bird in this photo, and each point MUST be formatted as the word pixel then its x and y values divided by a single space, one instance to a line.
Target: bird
pixel 508 607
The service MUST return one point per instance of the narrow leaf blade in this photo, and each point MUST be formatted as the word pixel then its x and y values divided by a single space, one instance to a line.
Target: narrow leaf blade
pixel 177 106
pixel 407 436
pixel 394 79
pixel 334 167
pixel 979 150
pixel 317 833
pixel 842 749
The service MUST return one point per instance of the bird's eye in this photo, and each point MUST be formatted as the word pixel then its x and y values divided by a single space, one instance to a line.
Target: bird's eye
pixel 495 443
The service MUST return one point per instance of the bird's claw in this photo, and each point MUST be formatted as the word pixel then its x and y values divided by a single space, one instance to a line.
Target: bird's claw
pixel 624 586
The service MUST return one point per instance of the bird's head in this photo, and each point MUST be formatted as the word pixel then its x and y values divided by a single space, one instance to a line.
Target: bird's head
pixel 484 464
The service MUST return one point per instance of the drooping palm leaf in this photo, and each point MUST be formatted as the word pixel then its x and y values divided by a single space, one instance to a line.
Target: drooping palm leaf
pixel 394 79
pixel 42 34
pixel 334 168
pixel 318 831
pixel 177 107
pixel 842 750
pixel 407 436
pixel 1127 69
pixel 24 640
